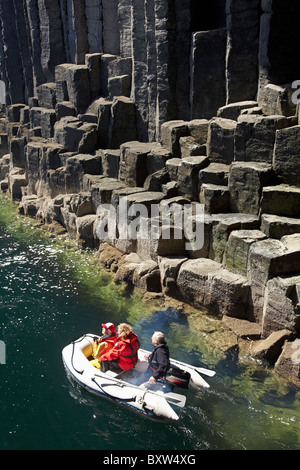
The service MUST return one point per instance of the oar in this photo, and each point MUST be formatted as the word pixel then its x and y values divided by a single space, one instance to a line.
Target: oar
pixel 173 398
pixel 200 370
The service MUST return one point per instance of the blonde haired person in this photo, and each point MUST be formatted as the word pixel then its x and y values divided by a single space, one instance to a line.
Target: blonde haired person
pixel 123 356
pixel 124 330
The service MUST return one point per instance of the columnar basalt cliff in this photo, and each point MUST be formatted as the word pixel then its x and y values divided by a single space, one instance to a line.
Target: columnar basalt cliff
pixel 163 102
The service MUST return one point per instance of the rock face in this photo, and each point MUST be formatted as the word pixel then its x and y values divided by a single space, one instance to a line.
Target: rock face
pixel 288 363
pixel 270 348
pixel 281 304
pixel 169 142
pixel 205 282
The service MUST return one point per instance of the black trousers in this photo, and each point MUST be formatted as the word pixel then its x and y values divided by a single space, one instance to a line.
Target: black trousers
pixel 110 365
pixel 160 384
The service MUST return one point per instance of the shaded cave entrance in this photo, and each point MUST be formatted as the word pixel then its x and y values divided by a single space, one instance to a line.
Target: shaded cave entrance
pixel 208 15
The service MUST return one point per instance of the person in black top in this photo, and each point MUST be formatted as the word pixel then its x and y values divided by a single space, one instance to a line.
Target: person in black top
pixel 158 360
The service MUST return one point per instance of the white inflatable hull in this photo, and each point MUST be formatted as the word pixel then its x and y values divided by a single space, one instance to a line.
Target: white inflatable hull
pixel 153 404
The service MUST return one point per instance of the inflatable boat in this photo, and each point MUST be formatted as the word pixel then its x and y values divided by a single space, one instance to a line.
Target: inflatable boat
pixel 126 387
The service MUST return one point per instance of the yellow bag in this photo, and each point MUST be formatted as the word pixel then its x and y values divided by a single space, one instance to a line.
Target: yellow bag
pixel 95 363
pixel 99 350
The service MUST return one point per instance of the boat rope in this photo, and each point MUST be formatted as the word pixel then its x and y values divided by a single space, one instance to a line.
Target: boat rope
pixel 109 395
pixel 140 400
pixel 73 350
pixel 144 405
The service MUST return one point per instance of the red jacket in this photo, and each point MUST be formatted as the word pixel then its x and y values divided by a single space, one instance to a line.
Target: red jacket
pixel 109 339
pixel 124 351
pixel 106 340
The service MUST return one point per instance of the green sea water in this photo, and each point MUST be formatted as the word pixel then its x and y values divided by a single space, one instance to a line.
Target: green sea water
pixel 50 294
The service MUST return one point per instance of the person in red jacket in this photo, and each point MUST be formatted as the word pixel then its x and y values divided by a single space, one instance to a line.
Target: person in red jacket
pixel 104 343
pixel 123 356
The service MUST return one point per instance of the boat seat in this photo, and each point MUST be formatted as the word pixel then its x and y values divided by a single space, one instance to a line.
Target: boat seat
pixel 126 375
pixel 111 373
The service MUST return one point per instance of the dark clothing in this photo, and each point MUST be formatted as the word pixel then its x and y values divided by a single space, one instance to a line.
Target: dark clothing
pixel 110 365
pixel 159 361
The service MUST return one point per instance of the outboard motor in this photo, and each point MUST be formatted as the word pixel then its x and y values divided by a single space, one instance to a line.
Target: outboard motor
pixel 178 377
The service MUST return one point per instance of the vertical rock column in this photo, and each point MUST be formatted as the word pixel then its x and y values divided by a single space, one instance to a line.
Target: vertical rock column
pixel 124 20
pixel 94 24
pixel 243 19
pixel 208 73
pixel 278 45
pixel 152 70
pixel 12 70
pixel 111 31
pixel 140 69
pixel 77 31
pixel 165 27
pixel 51 37
pixel 183 51
pixel 156 34
pixel 33 26
pixel 82 24
pixel 24 45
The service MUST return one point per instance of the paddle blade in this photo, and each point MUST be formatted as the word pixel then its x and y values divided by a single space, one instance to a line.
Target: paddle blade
pixel 175 399
pixel 209 373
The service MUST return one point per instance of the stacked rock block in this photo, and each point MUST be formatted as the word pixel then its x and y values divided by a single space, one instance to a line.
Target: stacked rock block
pixel 251 246
pixel 251 205
pixel 186 64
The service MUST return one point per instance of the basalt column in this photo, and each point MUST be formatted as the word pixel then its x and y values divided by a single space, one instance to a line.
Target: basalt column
pixel 278 48
pixel 243 19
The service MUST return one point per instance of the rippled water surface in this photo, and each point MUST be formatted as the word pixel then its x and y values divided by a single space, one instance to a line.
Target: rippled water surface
pixel 51 294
